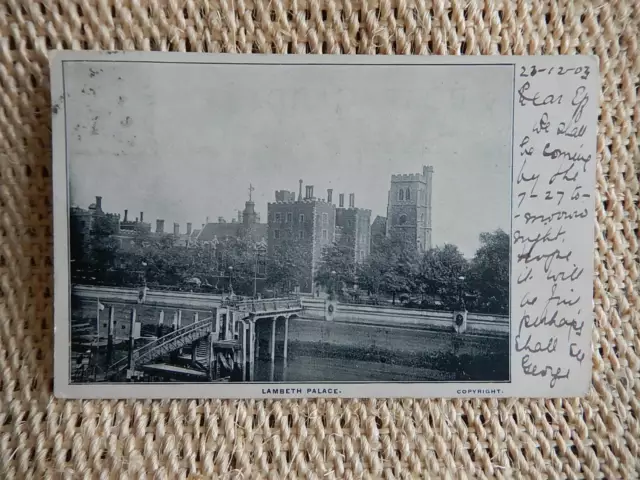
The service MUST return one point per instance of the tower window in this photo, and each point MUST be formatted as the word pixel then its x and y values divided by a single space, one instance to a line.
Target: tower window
pixel 302 218
pixel 277 217
pixel 408 193
pixel 276 234
pixel 324 234
pixel 402 220
pixel 289 217
pixel 401 195
pixel 422 218
pixel 325 219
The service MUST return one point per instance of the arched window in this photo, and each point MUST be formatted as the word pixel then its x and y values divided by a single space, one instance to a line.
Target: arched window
pixel 408 194
pixel 422 218
pixel 401 195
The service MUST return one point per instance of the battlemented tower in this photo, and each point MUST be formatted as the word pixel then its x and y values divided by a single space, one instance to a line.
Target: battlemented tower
pixel 409 207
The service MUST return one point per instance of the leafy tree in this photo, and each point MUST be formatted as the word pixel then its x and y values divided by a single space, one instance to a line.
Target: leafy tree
pixel 489 273
pixel 337 269
pixel 287 267
pixel 391 267
pixel 439 273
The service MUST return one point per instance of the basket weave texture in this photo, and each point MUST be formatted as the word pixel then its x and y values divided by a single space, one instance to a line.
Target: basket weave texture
pixel 41 437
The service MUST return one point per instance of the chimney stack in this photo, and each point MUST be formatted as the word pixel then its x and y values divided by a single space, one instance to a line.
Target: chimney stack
pixel 352 200
pixel 239 216
pixel 176 229
pixel 221 220
pixel 188 228
pixel 300 190
pixel 159 226
pixel 126 213
pixel 329 195
pixel 141 217
pixel 207 220
pixel 309 192
pixel 341 200
pixel 98 203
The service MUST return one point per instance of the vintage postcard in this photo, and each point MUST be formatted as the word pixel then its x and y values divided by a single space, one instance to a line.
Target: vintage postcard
pixel 303 226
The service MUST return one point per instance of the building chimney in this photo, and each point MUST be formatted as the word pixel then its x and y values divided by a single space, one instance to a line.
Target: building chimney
pixel 239 216
pixel 98 203
pixel 126 212
pixel 341 200
pixel 329 195
pixel 159 226
pixel 352 200
pixel 176 229
pixel 188 228
pixel 207 220
pixel 141 217
pixel 221 220
pixel 309 192
pixel 300 190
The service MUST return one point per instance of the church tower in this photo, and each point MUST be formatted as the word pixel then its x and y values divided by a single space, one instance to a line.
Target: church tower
pixel 409 207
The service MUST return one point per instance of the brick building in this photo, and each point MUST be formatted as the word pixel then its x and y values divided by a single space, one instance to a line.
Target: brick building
pixel 308 223
pixel 353 227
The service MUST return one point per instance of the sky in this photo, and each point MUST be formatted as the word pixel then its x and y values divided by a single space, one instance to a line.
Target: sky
pixel 182 142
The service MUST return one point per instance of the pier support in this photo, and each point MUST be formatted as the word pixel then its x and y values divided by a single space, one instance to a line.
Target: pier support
pixel 272 344
pixel 286 337
pixel 194 352
pixel 160 324
pixel 110 329
pixel 210 356
pixel 243 327
pixel 132 322
pixel 252 349
pixel 256 340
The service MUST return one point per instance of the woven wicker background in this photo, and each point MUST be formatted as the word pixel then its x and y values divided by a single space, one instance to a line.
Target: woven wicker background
pixel 40 437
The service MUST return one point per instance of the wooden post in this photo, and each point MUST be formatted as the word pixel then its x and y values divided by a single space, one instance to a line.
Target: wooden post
pixel 273 340
pixel 132 322
pixel 286 337
pixel 110 326
pixel 252 349
pixel 195 317
pixel 179 318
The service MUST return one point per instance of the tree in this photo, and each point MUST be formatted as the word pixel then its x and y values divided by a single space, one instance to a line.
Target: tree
pixel 391 267
pixel 489 273
pixel 287 266
pixel 439 273
pixel 337 269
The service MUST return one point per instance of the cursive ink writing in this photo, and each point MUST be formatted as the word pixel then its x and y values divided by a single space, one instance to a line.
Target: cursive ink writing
pixel 551 206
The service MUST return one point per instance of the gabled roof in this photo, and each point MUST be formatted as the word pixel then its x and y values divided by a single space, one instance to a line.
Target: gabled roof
pixel 224 230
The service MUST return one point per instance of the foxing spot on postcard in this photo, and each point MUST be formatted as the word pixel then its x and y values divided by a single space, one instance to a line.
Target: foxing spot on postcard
pixel 305 226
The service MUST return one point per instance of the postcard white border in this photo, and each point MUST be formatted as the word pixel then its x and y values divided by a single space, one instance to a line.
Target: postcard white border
pixel 518 386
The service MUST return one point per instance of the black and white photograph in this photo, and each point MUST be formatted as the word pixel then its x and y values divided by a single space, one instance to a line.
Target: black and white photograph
pixel 354 229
